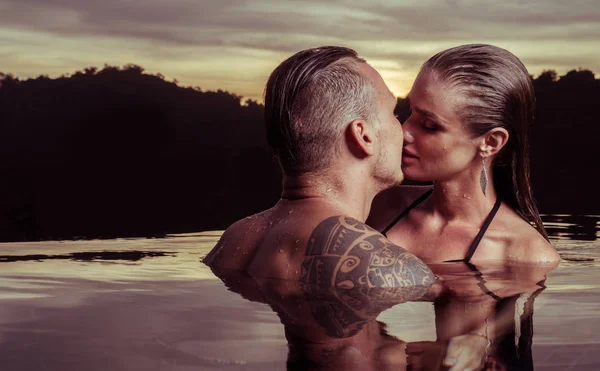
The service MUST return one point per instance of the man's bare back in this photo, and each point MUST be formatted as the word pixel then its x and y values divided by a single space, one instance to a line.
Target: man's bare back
pixel 330 122
pixel 301 240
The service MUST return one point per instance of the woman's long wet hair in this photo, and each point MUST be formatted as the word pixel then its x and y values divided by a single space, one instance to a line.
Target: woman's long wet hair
pixel 499 94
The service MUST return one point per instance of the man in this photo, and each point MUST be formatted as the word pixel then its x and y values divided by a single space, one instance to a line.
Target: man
pixel 330 122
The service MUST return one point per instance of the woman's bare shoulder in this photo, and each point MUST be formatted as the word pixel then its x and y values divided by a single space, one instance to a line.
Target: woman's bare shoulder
pixel 529 246
pixel 388 204
pixel 541 250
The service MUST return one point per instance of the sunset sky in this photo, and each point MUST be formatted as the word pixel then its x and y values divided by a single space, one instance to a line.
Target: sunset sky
pixel 234 44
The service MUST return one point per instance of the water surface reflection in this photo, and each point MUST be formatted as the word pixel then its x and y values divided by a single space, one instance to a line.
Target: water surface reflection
pixel 483 319
pixel 139 304
pixel 572 227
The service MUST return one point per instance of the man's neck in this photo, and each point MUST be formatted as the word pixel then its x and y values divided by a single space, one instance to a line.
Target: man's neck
pixel 343 193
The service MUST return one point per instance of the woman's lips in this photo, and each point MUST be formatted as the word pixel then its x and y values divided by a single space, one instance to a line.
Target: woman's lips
pixel 409 153
pixel 408 156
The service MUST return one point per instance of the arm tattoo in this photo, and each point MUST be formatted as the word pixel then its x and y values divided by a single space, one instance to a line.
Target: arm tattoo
pixel 343 253
pixel 350 274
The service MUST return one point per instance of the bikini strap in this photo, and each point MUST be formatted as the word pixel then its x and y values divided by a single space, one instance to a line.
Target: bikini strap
pixel 416 203
pixel 484 227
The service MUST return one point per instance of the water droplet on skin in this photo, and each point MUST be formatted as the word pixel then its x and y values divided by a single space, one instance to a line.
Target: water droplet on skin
pixel 291 211
pixel 464 195
pixel 238 248
pixel 297 241
pixel 280 250
pixel 328 189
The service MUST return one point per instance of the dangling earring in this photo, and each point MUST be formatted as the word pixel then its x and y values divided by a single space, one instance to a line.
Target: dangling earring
pixel 483 178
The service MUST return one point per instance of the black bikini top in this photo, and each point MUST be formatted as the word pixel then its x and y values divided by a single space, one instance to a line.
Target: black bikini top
pixel 476 241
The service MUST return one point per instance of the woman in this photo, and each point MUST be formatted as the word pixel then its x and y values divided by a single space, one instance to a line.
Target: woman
pixel 471 108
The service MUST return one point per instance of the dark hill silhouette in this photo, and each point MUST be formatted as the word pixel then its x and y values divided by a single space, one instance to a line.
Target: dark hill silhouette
pixel 118 152
pixel 566 150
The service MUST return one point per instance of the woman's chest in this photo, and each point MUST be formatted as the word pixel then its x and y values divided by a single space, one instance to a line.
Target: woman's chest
pixel 436 243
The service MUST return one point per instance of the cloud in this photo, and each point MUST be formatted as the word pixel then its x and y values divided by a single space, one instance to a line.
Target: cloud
pixel 212 40
pixel 264 23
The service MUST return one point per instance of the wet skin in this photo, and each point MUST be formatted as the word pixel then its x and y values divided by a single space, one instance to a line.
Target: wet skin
pixel 340 252
pixel 315 233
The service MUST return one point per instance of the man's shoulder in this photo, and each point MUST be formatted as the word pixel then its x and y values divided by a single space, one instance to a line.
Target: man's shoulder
pixel 344 252
pixel 242 226
pixel 236 235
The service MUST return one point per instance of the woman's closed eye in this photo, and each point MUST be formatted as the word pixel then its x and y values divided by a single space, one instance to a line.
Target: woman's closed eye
pixel 429 125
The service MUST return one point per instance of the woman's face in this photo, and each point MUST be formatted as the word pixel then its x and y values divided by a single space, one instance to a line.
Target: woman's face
pixel 437 146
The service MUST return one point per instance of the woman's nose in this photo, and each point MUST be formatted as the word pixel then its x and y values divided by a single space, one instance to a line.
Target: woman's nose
pixel 406 131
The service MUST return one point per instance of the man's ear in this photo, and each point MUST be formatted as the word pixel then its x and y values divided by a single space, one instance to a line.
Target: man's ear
pixel 360 138
pixel 493 141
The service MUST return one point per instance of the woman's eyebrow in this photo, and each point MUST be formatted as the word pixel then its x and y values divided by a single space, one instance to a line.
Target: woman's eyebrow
pixel 427 113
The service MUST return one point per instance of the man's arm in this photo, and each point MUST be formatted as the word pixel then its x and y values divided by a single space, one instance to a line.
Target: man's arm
pixel 356 273
pixel 343 252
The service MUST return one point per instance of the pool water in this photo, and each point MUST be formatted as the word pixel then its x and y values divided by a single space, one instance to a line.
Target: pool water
pixel 150 304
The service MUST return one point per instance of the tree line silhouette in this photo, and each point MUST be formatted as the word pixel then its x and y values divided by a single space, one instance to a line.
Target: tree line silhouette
pixel 118 152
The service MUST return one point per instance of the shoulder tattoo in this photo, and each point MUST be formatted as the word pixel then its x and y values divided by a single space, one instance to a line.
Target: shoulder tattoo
pixel 343 253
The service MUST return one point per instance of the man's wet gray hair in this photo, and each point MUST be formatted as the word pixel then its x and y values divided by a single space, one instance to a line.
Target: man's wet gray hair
pixel 310 99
